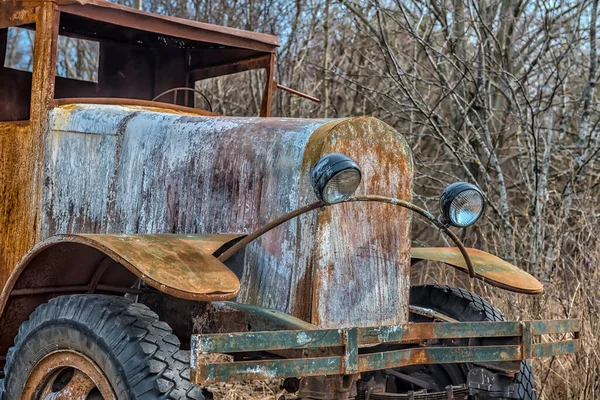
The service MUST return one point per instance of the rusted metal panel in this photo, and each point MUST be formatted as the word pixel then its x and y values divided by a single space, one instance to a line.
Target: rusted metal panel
pixel 145 104
pixel 160 173
pixel 488 268
pixel 166 25
pixel 16 13
pixel 17 207
pixel 351 339
pixel 21 160
pixel 362 258
pixel 229 316
pixel 163 173
pixel 181 265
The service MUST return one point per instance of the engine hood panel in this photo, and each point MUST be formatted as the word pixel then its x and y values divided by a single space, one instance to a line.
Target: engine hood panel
pixel 113 169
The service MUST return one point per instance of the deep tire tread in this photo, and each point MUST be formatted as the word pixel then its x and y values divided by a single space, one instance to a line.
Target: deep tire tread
pixel 474 308
pixel 145 348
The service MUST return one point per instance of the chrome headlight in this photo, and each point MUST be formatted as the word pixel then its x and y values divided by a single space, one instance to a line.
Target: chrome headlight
pixel 462 204
pixel 334 178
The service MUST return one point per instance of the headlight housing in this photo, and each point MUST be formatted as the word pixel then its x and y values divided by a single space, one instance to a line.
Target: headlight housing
pixel 462 204
pixel 334 178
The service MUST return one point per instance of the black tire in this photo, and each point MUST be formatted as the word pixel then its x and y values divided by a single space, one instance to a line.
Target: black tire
pixel 463 305
pixel 137 353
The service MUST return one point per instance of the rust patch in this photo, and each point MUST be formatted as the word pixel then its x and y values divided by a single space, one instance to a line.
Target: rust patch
pixel 86 377
pixel 15 13
pixel 180 265
pixel 70 104
pixel 16 206
pixel 488 268
pixel 362 261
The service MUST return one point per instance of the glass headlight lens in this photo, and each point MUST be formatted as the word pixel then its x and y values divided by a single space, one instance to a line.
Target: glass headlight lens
pixel 341 186
pixel 462 204
pixel 334 178
pixel 466 208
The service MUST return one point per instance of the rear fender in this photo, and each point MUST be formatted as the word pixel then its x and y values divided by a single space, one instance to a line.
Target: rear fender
pixel 487 267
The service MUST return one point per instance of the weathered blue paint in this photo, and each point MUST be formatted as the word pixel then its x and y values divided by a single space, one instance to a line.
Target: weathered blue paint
pixel 257 341
pixel 249 370
pixel 556 348
pixel 119 169
pixel 350 340
pixel 556 326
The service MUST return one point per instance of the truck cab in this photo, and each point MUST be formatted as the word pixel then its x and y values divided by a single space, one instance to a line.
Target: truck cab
pixel 102 51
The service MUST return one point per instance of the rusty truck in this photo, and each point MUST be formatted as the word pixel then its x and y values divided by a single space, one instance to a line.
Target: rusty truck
pixel 150 248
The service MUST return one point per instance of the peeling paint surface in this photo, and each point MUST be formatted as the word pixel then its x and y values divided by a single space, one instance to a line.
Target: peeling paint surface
pixel 115 169
pixel 416 350
pixel 362 251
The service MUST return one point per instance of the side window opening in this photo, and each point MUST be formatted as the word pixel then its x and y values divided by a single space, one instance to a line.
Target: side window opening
pixel 238 94
pixel 19 49
pixel 77 59
pixel 16 66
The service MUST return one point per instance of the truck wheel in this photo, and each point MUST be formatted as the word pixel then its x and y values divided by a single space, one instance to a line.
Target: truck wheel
pixel 462 305
pixel 97 347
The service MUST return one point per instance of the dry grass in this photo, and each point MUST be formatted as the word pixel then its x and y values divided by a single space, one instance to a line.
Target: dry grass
pixel 256 390
pixel 252 390
pixel 566 296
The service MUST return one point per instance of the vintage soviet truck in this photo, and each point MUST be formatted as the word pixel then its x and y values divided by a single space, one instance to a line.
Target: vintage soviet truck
pixel 149 248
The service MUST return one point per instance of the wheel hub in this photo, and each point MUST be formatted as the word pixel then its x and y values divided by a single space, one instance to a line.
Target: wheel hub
pixel 67 374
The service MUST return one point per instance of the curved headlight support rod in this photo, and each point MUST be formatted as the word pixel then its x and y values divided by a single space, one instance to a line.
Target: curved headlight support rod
pixel 374 198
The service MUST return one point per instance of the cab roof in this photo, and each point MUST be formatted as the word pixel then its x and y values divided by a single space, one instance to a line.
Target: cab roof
pixel 133 19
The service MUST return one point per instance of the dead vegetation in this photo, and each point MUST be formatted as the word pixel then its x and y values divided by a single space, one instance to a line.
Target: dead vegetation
pixel 255 390
pixel 498 93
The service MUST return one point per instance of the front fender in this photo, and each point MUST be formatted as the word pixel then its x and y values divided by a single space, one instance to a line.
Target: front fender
pixel 184 266
pixel 488 268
